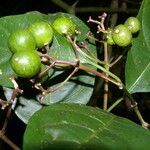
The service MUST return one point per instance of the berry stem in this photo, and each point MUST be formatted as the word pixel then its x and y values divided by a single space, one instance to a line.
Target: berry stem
pixel 119 58
pixel 114 104
pixel 134 105
pixel 62 83
pixel 13 96
pixel 4 104
pixel 8 141
pixel 106 86
pixel 101 75
pixel 93 63
pixel 119 83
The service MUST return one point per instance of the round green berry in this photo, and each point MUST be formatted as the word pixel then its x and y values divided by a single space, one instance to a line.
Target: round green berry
pixel 122 36
pixel 133 24
pixel 64 25
pixel 109 38
pixel 42 32
pixel 21 40
pixel 26 64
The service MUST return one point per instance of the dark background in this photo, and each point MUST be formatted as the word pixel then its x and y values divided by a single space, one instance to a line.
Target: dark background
pixel 9 7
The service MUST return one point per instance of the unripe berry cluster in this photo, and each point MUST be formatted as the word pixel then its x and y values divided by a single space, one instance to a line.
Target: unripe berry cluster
pixel 121 35
pixel 24 43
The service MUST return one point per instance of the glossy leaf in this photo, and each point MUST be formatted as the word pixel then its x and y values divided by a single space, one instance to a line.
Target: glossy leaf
pixel 78 90
pixel 80 87
pixel 8 25
pixel 72 126
pixel 138 60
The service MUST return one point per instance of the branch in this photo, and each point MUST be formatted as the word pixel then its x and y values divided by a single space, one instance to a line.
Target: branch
pixel 61 4
pixel 69 8
pixel 104 9
pixel 8 141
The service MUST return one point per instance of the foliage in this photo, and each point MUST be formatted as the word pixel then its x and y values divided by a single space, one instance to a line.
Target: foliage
pixel 60 117
pixel 72 126
pixel 138 60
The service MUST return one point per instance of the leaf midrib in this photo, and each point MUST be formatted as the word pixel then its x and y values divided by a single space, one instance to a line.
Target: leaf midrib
pixel 139 78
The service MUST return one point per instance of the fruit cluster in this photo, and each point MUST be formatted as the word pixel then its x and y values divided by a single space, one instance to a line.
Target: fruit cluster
pixel 121 35
pixel 24 43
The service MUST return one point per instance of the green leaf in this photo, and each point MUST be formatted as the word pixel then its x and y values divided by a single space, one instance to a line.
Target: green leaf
pixel 138 60
pixel 80 87
pixel 77 90
pixel 8 25
pixel 72 126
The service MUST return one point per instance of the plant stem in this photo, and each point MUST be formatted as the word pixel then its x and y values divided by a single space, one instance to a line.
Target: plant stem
pixel 77 49
pixel 62 83
pixel 13 96
pixel 91 58
pixel 114 104
pixel 101 75
pixel 68 8
pixel 4 104
pixel 62 4
pixel 8 141
pixel 135 108
pixel 119 58
pixel 106 86
pixel 104 9
pixel 106 71
pixel 7 118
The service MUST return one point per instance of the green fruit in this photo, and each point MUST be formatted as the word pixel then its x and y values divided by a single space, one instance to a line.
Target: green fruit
pixel 109 38
pixel 122 36
pixel 64 25
pixel 133 24
pixel 26 64
pixel 21 40
pixel 42 33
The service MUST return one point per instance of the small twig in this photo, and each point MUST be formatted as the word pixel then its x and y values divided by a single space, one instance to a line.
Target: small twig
pixel 90 53
pixel 62 4
pixel 8 141
pixel 117 82
pixel 106 86
pixel 62 83
pixel 92 9
pixel 100 26
pixel 41 74
pixel 72 8
pixel 2 132
pixel 114 104
pixel 116 60
pixel 98 74
pixel 134 105
pixel 105 9
pixel 6 119
pixel 14 94
pixel 90 36
pixel 4 104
